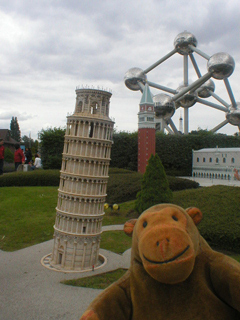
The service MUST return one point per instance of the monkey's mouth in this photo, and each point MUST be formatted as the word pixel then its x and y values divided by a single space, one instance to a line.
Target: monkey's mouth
pixel 170 260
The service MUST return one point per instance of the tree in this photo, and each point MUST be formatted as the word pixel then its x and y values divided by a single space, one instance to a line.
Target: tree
pixel 51 144
pixel 30 143
pixel 154 187
pixel 14 129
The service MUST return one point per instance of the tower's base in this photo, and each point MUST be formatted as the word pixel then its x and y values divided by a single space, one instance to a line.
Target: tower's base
pixel 45 261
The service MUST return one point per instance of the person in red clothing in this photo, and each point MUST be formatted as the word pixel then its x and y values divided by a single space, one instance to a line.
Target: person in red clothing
pixel 2 149
pixel 19 157
pixel 236 174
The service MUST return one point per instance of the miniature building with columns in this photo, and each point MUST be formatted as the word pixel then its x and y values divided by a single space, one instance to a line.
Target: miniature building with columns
pixel 83 182
pixel 215 163
pixel 146 129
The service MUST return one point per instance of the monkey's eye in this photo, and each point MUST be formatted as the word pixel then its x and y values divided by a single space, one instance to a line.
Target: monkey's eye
pixel 175 218
pixel 144 224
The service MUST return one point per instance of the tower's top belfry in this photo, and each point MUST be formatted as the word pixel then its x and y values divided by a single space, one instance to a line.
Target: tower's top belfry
pixel 94 102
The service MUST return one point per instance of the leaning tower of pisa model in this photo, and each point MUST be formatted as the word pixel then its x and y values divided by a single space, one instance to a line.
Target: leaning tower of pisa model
pixel 83 182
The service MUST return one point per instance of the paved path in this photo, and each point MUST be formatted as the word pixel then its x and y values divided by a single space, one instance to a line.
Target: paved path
pixel 29 291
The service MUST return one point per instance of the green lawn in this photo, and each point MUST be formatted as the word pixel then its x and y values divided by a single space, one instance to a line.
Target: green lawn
pixel 100 281
pixel 27 215
pixel 115 241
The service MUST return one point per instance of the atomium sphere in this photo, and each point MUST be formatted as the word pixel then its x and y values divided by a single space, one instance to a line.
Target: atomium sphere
pixel 164 106
pixel 187 100
pixel 233 115
pixel 203 91
pixel 132 76
pixel 182 42
pixel 221 65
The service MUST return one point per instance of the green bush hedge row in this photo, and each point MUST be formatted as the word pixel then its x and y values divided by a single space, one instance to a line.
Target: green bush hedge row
pixel 220 225
pixel 30 178
pixel 175 151
pixel 123 185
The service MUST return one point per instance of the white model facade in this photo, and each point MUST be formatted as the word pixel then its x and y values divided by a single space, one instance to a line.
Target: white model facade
pixel 83 182
pixel 215 163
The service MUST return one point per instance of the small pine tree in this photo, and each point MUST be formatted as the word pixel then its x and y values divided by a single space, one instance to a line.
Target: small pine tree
pixel 154 188
pixel 14 129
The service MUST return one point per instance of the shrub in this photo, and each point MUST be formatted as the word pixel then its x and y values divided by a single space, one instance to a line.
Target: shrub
pixel 221 216
pixel 8 167
pixel 154 187
pixel 124 150
pixel 8 156
pixel 30 178
pixel 123 186
pixel 177 184
pixel 175 151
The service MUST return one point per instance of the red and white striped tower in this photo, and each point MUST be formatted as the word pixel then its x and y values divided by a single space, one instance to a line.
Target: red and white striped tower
pixel 146 129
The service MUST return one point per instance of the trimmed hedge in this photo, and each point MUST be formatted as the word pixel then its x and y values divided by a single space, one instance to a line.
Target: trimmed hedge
pixel 175 151
pixel 221 214
pixel 30 178
pixel 177 184
pixel 123 185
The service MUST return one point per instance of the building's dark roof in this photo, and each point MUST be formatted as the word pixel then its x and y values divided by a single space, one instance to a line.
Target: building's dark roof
pixel 6 136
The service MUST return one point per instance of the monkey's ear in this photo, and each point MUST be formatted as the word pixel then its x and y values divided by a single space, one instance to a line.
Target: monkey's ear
pixel 195 214
pixel 129 226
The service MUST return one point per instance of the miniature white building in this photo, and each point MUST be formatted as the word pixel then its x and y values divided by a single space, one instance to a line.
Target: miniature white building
pixel 83 182
pixel 215 163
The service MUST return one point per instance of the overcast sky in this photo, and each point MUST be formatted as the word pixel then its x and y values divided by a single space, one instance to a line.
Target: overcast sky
pixel 49 47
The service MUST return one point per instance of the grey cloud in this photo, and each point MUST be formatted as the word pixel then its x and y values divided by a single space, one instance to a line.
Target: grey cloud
pixel 57 45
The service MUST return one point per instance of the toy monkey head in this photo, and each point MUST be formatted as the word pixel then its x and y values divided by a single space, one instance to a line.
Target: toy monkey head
pixel 165 240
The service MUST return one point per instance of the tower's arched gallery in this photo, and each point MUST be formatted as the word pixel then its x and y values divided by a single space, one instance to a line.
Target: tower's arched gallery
pixel 83 182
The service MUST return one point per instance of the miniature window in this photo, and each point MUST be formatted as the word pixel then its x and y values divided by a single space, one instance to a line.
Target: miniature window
pixel 210 159
pixel 84 229
pixel 224 160
pixel 60 258
pixel 197 159
pixel 232 160
pixel 90 132
pixel 204 159
pixel 217 160
pixel 76 129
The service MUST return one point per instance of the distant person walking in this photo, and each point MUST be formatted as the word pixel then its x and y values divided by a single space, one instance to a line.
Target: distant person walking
pixel 37 162
pixel 28 155
pixel 2 149
pixel 19 157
